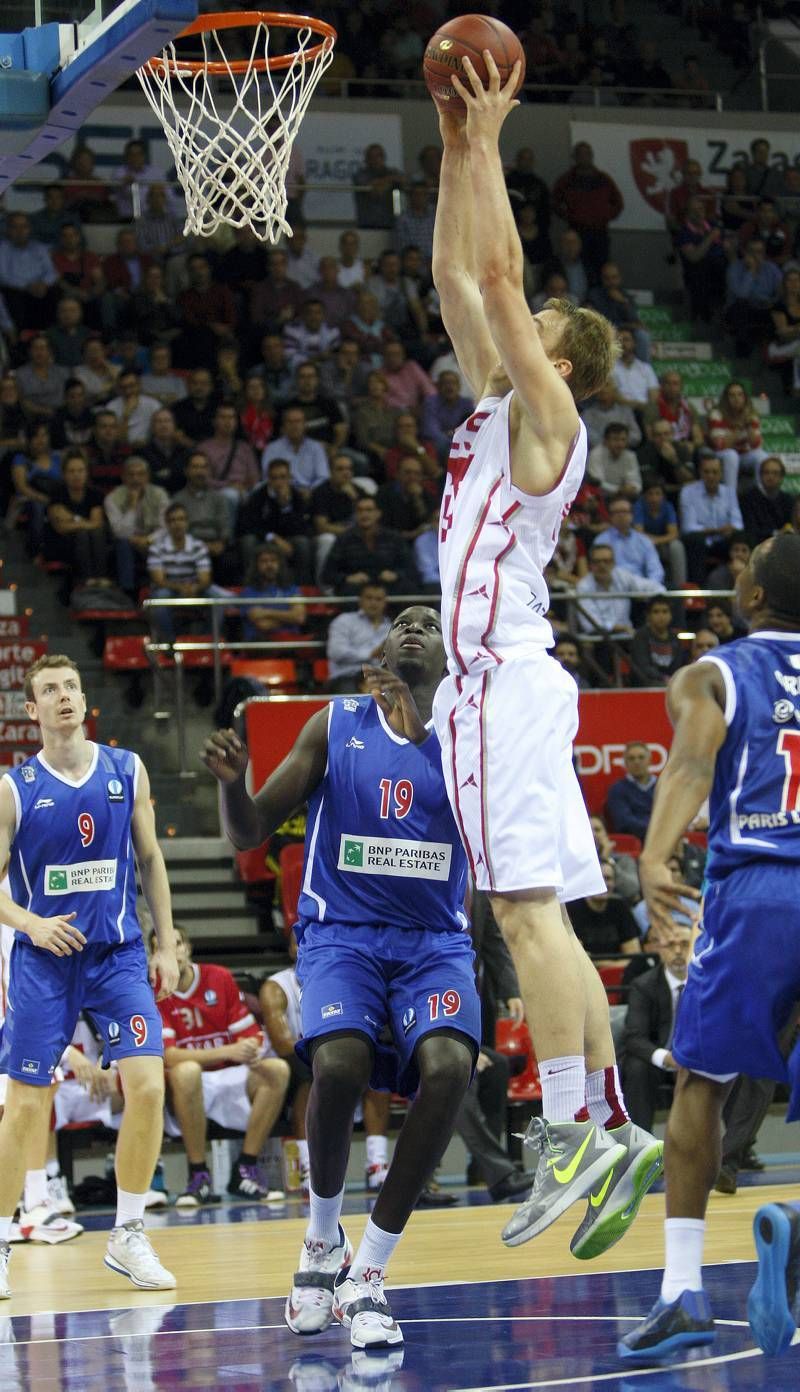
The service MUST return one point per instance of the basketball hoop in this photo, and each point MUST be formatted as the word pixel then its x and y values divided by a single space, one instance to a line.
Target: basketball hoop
pixel 232 149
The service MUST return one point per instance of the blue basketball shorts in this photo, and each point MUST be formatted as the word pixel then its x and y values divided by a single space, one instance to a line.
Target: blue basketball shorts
pixel 47 993
pixel 744 977
pixel 394 985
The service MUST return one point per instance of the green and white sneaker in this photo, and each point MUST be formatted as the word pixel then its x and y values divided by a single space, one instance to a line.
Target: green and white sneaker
pixel 573 1156
pixel 613 1205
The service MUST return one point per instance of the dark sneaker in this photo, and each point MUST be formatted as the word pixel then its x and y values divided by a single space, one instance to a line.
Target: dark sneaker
pixel 197 1192
pixel 773 1305
pixel 511 1186
pixel 685 1323
pixel 247 1182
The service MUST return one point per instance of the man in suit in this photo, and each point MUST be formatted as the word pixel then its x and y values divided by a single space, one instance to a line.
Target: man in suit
pixel 650 1025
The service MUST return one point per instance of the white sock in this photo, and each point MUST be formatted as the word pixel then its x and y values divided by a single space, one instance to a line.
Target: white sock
pixel 5 1229
pixel 53 1169
pixel 323 1217
pixel 563 1087
pixel 302 1152
pixel 130 1208
pixel 377 1150
pixel 374 1250
pixel 35 1189
pixel 683 1268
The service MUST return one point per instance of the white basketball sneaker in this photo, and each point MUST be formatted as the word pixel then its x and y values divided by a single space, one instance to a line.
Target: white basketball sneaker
pixel 45 1223
pixel 129 1252
pixel 362 1304
pixel 5 1289
pixel 58 1194
pixel 308 1308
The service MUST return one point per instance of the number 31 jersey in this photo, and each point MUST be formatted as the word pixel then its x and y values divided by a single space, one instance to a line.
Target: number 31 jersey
pixel 755 800
pixel 72 849
pixel 381 844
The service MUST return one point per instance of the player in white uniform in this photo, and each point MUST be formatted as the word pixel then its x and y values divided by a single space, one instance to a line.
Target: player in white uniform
pixel 506 714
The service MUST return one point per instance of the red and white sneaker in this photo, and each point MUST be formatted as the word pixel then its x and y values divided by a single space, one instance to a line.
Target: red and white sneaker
pixel 308 1308
pixel 375 1175
pixel 362 1305
pixel 46 1224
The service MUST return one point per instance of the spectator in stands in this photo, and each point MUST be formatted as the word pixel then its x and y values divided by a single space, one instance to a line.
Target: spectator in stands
pixel 228 379
pixel 703 259
pixel 634 379
pixel 588 200
pixel 373 422
pixel 633 549
pixel 277 512
pixel 537 250
pixel 352 271
pixel 13 424
pixel 704 641
pixel 107 452
pixel 267 581
pixel 604 409
pixel 69 334
pixel 404 317
pixel 274 368
pixel 166 457
pixel 785 342
pixel 657 519
pixel 375 183
pixel 426 555
pixel 709 512
pixel 134 170
pixel 208 514
pixel 407 383
pixel 367 328
pixel 76 531
pixel 279 998
pixel 245 263
pixel 569 263
pixel 407 442
pixel 307 458
pixel 768 228
pixel 84 192
pixel 737 205
pixel 73 424
pixel 763 178
pixel 302 264
pixel 414 226
pixel 234 470
pixel 207 315
pixel 179 567
pixel 41 382
pixel 626 872
pixel 135 512
pixel 357 636
pixel 151 312
pixel 690 186
pixel 79 270
pixel 404 504
pixel 630 799
pixel 309 338
pixel 686 433
pixel 444 413
pixel 723 577
pixel 324 417
pixel 49 220
pixel 161 382
pixel 655 652
pixel 613 466
pixel 599 615
pixel 753 288
pixel 123 269
pixel 27 275
pixel 133 409
pixel 368 551
pixel 194 414
pixel 566 652
pixel 722 623
pixel 332 505
pixel 653 1003
pixel 646 71
pixel 337 301
pixel 98 374
pixel 526 186
pixel 35 476
pixel 214 1068
pixel 612 301
pixel 734 433
pixel 766 507
pixel 603 923
pixel 159 231
pixel 257 416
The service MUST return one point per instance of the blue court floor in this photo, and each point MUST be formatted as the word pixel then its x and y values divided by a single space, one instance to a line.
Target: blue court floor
pixel 476 1337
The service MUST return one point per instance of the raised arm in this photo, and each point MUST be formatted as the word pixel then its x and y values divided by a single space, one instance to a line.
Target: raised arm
pixel 249 821
pixel 453 260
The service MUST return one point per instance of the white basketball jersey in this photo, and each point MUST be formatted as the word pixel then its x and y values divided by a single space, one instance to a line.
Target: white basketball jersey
pixel 495 542
pixel 287 980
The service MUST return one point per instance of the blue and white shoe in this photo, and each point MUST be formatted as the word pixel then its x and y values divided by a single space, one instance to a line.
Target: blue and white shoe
pixel 773 1305
pixel 669 1328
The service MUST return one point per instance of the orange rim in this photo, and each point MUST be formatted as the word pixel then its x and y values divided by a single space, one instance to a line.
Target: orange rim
pixel 240 19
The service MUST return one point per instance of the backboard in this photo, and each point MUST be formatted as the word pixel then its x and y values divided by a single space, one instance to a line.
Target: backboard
pixel 60 60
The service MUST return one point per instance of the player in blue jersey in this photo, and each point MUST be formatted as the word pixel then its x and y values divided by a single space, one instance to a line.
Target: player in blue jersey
pixel 75 821
pixel 736 714
pixel 383 942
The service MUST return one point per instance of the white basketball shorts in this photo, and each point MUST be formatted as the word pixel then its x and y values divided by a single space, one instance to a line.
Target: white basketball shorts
pixel 506 737
pixel 225 1099
pixel 73 1103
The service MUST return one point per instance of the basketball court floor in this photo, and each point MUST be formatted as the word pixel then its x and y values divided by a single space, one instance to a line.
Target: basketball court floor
pixel 476 1316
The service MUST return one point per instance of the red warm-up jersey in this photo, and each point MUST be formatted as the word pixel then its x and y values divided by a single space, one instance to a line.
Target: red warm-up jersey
pixel 211 1013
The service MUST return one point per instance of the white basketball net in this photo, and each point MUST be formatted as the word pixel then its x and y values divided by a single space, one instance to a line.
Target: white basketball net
pixel 231 136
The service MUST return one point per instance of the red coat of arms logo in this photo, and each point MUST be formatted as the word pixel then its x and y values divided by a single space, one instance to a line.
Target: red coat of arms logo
pixel 656 167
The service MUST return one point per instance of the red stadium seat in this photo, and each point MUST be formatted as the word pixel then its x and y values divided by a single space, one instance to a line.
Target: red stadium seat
pixel 611 976
pixel 251 866
pixel 626 844
pixel 291 864
pixel 278 673
pixel 697 838
pixel 320 671
pixel 512 1039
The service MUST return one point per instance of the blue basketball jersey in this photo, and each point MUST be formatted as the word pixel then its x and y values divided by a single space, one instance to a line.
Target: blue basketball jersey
pixel 72 849
pixel 755 800
pixel 381 844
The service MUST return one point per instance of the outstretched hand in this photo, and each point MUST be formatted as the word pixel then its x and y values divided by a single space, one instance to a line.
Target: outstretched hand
pixel 662 893
pixel 393 696
pixel 487 107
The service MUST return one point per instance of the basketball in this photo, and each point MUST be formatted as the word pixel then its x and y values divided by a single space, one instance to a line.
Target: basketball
pixel 469 35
